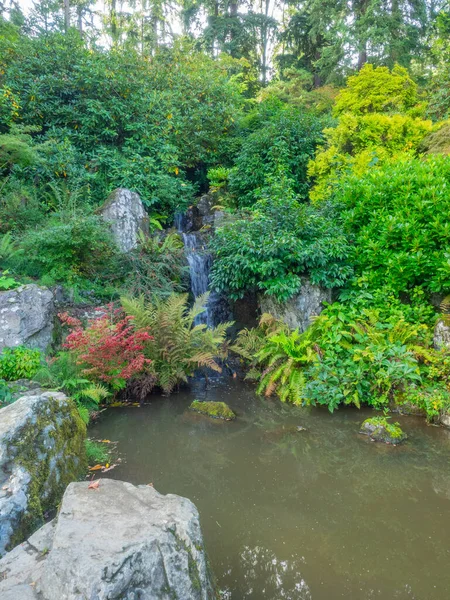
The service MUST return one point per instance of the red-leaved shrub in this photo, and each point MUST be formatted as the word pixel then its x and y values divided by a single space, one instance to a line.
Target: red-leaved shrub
pixel 109 349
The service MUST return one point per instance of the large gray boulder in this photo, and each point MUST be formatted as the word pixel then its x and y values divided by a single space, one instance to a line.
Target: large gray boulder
pixel 126 216
pixel 118 541
pixel 41 451
pixel 297 312
pixel 441 335
pixel 26 317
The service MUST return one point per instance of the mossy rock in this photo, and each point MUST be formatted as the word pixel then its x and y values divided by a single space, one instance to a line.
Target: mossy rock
pixel 215 410
pixel 380 430
pixel 42 450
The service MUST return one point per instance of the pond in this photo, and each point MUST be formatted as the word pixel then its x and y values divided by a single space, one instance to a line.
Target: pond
pixel 319 514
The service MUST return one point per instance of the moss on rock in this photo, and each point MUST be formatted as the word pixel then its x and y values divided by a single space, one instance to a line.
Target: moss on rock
pixel 215 410
pixel 380 430
pixel 45 443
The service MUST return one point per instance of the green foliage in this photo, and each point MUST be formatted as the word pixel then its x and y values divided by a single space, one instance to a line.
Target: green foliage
pixel 63 373
pixel 179 346
pixel 377 90
pixel 346 357
pixel 397 217
pixel 96 453
pixel 5 394
pixel 68 250
pixel 7 282
pixel 280 140
pixel 115 119
pixel 270 248
pixel 19 363
pixel 377 119
pixel 382 430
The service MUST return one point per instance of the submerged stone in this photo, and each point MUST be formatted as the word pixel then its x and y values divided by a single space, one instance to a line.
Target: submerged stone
pixel 215 410
pixel 380 430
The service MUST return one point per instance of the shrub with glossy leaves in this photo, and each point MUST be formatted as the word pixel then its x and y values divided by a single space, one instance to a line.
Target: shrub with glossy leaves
pixel 270 248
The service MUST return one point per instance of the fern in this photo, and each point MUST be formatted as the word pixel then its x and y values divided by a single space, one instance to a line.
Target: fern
pixel 179 347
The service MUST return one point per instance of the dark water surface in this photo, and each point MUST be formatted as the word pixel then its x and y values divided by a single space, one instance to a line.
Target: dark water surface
pixel 321 514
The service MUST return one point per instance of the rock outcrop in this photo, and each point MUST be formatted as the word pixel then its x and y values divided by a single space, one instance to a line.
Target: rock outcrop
pixel 297 312
pixel 441 335
pixel 115 541
pixel 126 216
pixel 26 317
pixel 41 451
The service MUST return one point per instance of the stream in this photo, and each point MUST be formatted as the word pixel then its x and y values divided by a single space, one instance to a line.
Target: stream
pixel 320 514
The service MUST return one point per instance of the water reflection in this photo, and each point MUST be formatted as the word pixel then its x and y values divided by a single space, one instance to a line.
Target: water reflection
pixel 320 514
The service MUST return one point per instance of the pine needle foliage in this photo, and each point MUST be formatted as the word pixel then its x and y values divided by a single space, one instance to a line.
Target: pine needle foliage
pixel 180 346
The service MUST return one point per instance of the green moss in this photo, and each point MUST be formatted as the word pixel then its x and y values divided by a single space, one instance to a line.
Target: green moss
pixel 380 430
pixel 51 449
pixel 216 410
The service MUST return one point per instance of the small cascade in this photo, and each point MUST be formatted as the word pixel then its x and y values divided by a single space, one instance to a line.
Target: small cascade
pixel 199 266
pixel 200 262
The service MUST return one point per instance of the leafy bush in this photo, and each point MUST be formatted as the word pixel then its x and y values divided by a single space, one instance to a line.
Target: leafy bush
pixel 67 250
pixel 19 363
pixel 109 349
pixel 179 346
pixel 282 142
pixel 270 248
pixel 377 119
pixel 398 217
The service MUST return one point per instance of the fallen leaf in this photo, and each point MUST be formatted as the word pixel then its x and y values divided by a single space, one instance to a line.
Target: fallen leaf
pixel 94 485
pixel 150 484
pixel 96 468
pixel 105 441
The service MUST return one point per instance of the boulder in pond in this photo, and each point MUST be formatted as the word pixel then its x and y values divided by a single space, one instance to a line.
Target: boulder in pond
pixel 126 216
pixel 115 541
pixel 215 410
pixel 26 317
pixel 298 311
pixel 41 451
pixel 380 430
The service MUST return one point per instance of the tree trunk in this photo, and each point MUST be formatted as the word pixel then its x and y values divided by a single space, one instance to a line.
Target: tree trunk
pixel 66 15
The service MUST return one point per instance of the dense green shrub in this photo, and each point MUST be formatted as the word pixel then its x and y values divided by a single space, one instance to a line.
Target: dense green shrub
pixel 270 248
pixel 70 250
pixel 398 219
pixel 19 363
pixel 280 141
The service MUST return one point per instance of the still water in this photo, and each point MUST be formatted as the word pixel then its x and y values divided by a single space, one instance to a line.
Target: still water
pixel 320 514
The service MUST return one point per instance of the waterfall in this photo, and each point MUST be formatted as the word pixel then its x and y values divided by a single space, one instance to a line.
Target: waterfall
pixel 200 262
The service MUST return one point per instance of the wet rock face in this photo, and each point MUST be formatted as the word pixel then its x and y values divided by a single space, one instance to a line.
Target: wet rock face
pixel 41 451
pixel 297 312
pixel 26 317
pixel 116 541
pixel 441 335
pixel 126 216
